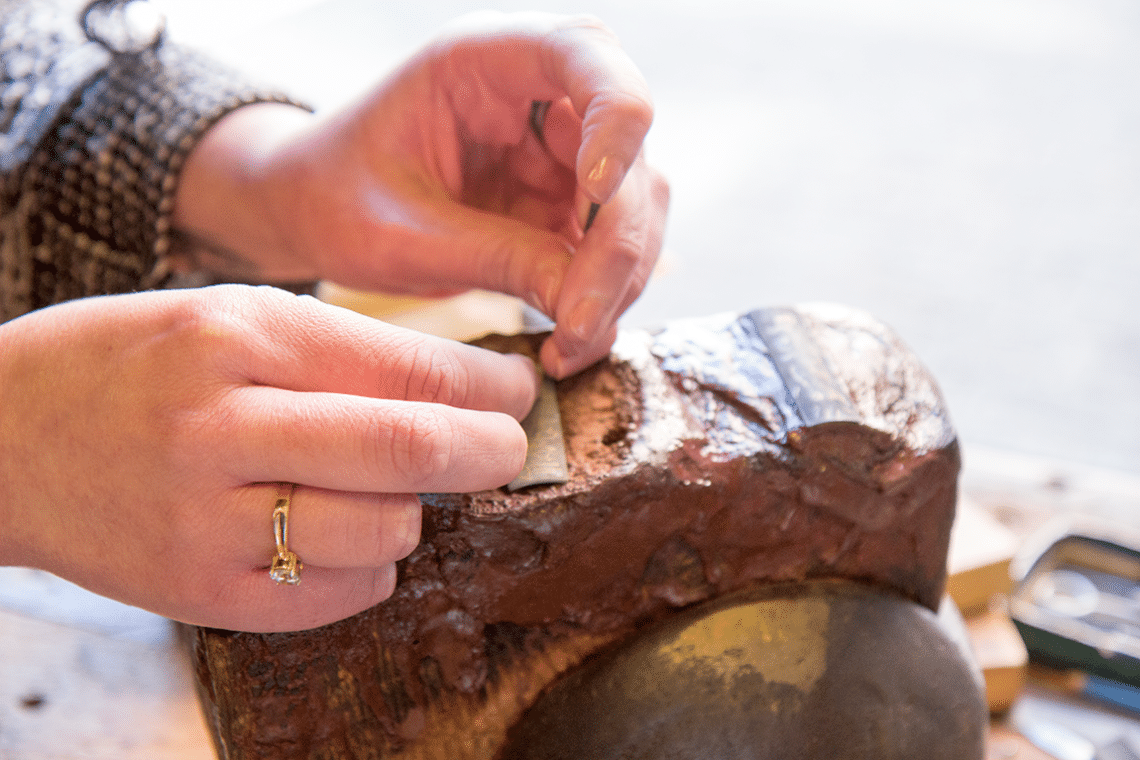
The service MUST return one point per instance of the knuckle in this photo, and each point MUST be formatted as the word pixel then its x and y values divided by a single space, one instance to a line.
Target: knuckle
pixel 638 283
pixel 436 375
pixel 198 352
pixel 446 380
pixel 216 327
pixel 588 22
pixel 634 108
pixel 367 542
pixel 629 248
pixel 500 262
pixel 630 107
pixel 421 444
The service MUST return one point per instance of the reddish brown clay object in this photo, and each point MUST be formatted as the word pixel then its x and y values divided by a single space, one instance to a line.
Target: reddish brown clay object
pixel 706 458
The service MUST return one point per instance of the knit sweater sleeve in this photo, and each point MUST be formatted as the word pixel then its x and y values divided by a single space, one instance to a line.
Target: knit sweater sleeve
pixel 91 146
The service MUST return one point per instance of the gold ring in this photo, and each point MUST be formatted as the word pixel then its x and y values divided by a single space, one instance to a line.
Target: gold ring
pixel 286 566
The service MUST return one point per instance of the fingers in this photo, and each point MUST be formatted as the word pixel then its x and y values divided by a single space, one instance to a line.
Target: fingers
pixel 309 346
pixel 331 529
pixel 563 355
pixel 250 601
pixel 599 114
pixel 608 272
pixel 562 133
pixel 539 56
pixel 585 60
pixel 585 289
pixel 351 443
pixel 481 249
pixel 347 544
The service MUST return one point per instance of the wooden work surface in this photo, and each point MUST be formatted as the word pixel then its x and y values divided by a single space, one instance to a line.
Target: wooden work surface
pixel 67 692
pixel 86 678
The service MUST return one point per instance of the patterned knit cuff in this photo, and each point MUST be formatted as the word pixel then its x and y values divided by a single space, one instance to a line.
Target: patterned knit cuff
pixel 105 175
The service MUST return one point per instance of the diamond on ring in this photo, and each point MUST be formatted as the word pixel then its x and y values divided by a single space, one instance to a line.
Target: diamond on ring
pixel 286 566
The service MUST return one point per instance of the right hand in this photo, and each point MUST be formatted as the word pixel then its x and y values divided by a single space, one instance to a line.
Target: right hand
pixel 142 438
pixel 434 182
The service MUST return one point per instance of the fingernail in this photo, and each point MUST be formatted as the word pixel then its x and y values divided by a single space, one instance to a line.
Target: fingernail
pixel 535 370
pixel 410 530
pixel 549 284
pixel 546 281
pixel 565 356
pixel 544 296
pixel 598 171
pixel 565 351
pixel 560 364
pixel 604 177
pixel 551 359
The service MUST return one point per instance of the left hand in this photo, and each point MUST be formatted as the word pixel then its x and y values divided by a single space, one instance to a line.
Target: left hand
pixel 142 435
pixel 434 182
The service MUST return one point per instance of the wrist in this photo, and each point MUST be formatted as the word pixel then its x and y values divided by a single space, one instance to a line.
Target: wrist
pixel 17 514
pixel 225 202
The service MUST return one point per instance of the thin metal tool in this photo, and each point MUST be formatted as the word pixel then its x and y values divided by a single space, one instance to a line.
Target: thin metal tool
pixel 590 216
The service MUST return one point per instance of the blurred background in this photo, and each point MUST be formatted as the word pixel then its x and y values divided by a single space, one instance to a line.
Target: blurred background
pixel 966 170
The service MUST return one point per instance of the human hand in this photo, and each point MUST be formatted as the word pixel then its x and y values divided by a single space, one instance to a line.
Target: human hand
pixel 435 182
pixel 142 438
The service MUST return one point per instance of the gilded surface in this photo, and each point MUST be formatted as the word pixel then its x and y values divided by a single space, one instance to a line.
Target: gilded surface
pixel 784 640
